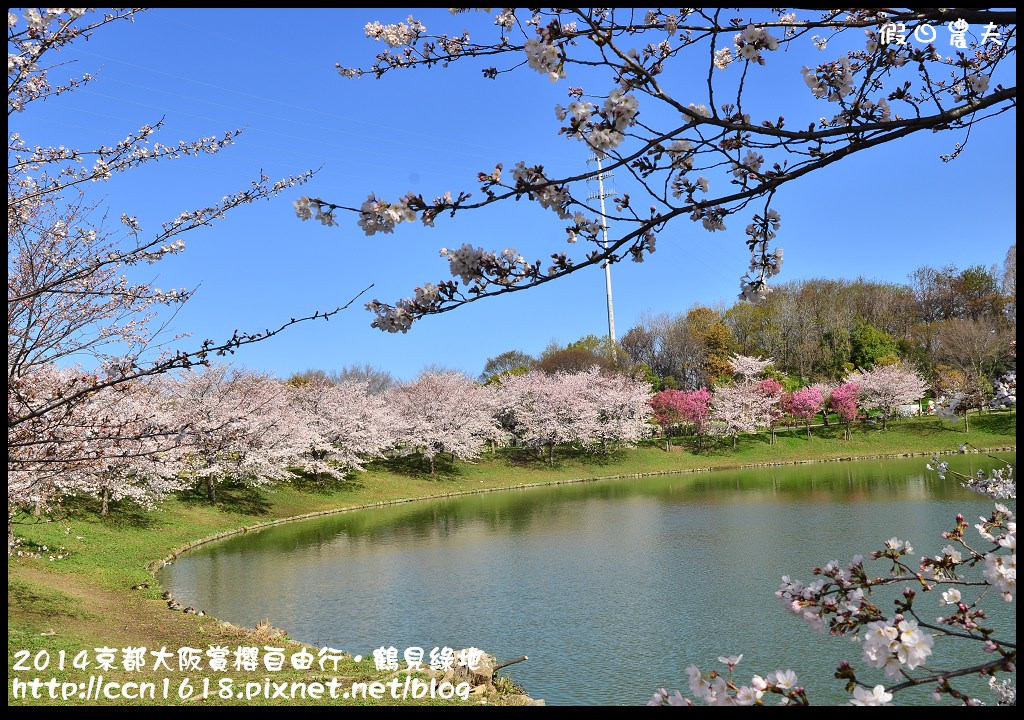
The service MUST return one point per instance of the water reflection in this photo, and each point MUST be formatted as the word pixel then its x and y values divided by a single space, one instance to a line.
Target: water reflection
pixel 612 587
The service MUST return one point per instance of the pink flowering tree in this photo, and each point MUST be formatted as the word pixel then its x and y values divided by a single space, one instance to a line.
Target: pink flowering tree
pixel 771 389
pixel 135 458
pixel 678 151
pixel 739 408
pixel 744 406
pixel 621 404
pixel 114 445
pixel 748 368
pixel 825 388
pixel 667 407
pixel 886 387
pixel 339 425
pixel 236 428
pixel 804 404
pixel 71 296
pixel 551 410
pixel 844 400
pixel 443 412
pixel 696 409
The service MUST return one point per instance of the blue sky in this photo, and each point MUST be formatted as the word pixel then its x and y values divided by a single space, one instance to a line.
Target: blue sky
pixel 272 72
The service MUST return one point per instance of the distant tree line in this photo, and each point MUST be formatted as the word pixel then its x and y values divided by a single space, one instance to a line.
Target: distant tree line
pixel 956 326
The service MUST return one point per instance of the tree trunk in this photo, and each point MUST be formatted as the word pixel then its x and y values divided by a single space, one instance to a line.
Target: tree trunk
pixel 211 492
pixel 734 439
pixel 551 454
pixel 967 423
pixel 773 434
pixel 431 459
pixel 808 424
pixel 105 498
pixel 885 421
pixel 824 417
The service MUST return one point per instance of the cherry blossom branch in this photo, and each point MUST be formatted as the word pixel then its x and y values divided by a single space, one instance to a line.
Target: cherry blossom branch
pixel 180 360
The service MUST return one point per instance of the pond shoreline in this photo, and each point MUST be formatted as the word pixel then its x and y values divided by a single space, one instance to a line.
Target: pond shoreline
pixel 155 565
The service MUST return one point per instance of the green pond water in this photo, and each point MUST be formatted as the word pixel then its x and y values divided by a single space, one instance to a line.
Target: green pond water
pixel 611 588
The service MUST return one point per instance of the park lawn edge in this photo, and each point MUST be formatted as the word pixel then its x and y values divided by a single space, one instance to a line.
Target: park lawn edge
pixel 40 594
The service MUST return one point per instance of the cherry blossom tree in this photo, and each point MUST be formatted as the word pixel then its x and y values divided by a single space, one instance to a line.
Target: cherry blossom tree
pixel 710 161
pixel 739 408
pixel 804 404
pixel 667 407
pixel 744 406
pixel 70 293
pixel 748 368
pixel 826 389
pixel 959 393
pixel 621 404
pixel 771 389
pixel 844 400
pixel 444 411
pixel 113 445
pixel 547 410
pixel 236 426
pixel 697 410
pixel 886 387
pixel 139 460
pixel 340 425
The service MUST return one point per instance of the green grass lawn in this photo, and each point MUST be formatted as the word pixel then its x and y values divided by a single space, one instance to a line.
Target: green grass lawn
pixel 85 600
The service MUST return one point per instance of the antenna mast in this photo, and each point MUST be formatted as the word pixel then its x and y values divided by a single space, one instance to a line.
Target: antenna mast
pixel 601 194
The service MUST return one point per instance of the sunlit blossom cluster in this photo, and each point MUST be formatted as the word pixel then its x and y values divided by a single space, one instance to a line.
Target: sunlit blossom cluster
pixel 751 41
pixel 681 153
pixel 396 34
pixel 378 216
pixel 1001 569
pixel 544 57
pixel 468 262
pixel 895 644
pixel 723 58
pixel 506 18
pixel 536 184
pixel 618 112
pixel 833 81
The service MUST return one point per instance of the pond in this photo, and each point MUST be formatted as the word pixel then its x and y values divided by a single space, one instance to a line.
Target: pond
pixel 611 588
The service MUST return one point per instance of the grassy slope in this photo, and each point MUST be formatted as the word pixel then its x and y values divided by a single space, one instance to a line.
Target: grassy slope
pixel 85 600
